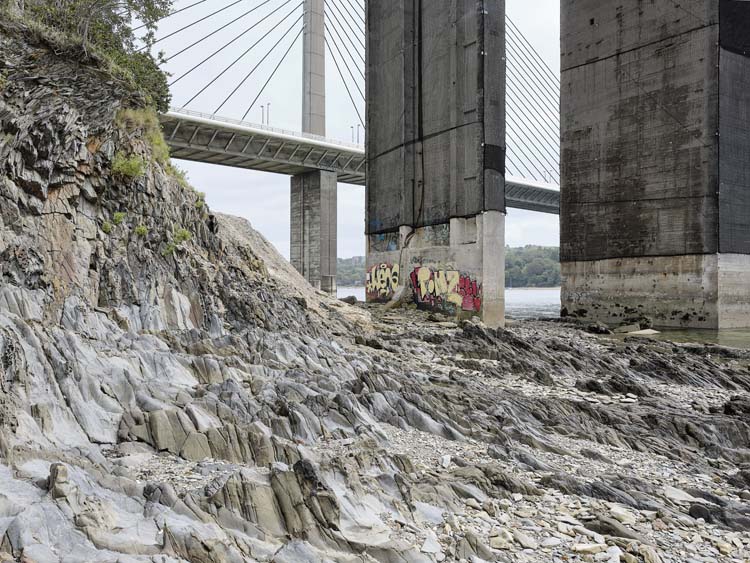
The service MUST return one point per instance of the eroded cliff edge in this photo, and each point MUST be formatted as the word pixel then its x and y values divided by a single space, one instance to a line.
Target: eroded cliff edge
pixel 171 390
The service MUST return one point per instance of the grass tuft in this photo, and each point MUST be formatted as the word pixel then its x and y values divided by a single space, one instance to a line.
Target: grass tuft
pixel 182 235
pixel 128 166
pixel 146 122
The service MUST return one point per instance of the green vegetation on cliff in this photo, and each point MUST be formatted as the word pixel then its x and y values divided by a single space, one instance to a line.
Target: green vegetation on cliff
pixel 101 30
pixel 528 266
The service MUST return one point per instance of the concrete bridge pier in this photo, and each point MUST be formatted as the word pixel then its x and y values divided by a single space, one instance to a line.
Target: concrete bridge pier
pixel 436 156
pixel 313 196
pixel 313 228
pixel 655 202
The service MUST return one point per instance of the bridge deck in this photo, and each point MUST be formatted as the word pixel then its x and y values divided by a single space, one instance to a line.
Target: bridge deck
pixel 205 138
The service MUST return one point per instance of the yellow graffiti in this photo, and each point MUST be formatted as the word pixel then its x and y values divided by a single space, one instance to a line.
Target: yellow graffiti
pixel 440 284
pixel 382 280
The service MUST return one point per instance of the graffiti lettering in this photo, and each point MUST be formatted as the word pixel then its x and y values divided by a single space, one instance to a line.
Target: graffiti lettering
pixel 382 281
pixel 446 289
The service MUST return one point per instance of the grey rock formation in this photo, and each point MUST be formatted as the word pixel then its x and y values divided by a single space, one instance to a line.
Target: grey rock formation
pixel 169 398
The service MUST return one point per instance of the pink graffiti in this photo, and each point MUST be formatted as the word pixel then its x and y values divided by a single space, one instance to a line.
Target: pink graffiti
pixel 471 292
pixel 446 289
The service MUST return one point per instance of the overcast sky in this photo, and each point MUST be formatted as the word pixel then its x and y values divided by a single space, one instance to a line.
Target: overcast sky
pixel 263 198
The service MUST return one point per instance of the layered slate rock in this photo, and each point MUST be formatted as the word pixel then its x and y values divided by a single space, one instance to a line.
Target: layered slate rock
pixel 197 401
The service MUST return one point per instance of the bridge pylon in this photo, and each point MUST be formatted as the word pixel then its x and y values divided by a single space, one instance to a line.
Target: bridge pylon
pixel 436 156
pixel 313 194
pixel 655 177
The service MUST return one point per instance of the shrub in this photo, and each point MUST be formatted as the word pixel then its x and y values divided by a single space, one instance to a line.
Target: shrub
pixel 200 204
pixel 182 235
pixel 169 249
pixel 141 231
pixel 128 166
pixel 105 27
pixel 118 218
pixel 107 227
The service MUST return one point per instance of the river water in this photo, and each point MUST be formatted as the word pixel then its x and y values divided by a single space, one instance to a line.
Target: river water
pixel 545 303
pixel 519 303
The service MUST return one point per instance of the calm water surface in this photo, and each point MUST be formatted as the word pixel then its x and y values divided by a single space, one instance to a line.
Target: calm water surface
pixel 519 303
pixel 545 303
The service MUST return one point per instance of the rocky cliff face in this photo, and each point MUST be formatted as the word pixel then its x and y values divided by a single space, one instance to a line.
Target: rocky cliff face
pixel 171 390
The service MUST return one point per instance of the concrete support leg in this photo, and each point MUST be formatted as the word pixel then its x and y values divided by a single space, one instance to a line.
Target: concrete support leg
pixel 313 228
pixel 456 269
pixel 493 268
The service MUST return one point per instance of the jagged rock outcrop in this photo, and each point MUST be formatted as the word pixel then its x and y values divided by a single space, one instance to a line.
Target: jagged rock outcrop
pixel 171 390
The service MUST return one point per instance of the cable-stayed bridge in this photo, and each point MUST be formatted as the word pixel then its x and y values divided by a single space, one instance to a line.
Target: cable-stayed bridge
pixel 532 88
pixel 215 140
pixel 224 56
pixel 463 121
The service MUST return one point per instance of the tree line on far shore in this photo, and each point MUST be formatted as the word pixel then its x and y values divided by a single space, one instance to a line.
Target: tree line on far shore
pixel 528 266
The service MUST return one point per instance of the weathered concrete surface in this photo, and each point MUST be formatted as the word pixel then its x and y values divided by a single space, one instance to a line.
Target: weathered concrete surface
pixel 436 154
pixel 734 147
pixel 700 290
pixel 456 269
pixel 314 69
pixel 654 132
pixel 435 114
pixel 313 228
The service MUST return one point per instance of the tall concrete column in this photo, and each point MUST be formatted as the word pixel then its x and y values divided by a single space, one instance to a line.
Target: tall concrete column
pixel 313 195
pixel 436 155
pixel 655 174
pixel 313 226
pixel 314 69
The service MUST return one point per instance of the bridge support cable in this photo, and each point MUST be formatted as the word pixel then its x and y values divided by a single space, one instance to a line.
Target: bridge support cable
pixel 532 99
pixel 172 14
pixel 355 64
pixel 249 74
pixel 222 28
pixel 145 47
pixel 532 107
pixel 548 89
pixel 539 60
pixel 275 70
pixel 524 170
pixel 354 32
pixel 343 60
pixel 544 161
pixel 550 135
pixel 525 146
pixel 234 40
pixel 348 90
pixel 547 127
pixel 358 10
pixel 514 169
pixel 242 56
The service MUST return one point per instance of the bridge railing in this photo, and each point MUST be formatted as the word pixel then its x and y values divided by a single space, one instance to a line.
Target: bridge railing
pixel 277 130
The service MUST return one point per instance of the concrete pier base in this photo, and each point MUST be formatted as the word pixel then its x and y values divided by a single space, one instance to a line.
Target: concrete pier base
pixel 655 177
pixel 313 228
pixel 455 268
pixel 698 291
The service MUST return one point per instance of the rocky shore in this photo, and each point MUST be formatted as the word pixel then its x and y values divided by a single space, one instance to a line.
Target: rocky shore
pixel 171 390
